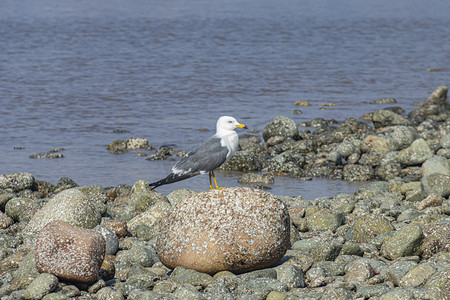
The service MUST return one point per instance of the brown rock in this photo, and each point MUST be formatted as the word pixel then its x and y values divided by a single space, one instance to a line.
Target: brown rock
pixel 70 252
pixel 107 270
pixel 234 229
pixel 117 226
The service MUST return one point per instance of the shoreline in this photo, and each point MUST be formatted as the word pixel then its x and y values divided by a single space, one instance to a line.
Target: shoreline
pixel 388 240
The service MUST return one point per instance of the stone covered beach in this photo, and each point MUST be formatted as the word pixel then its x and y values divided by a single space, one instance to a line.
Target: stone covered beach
pixel 388 240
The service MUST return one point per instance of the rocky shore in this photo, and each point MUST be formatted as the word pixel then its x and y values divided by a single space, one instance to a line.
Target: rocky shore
pixel 388 240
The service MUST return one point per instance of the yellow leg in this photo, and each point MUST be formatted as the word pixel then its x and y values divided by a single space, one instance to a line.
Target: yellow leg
pixel 210 182
pixel 215 182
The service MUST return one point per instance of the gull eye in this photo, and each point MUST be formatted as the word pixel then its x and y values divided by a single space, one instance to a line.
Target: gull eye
pixel 230 122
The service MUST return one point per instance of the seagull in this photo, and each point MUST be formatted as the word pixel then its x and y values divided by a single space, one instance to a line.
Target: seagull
pixel 208 156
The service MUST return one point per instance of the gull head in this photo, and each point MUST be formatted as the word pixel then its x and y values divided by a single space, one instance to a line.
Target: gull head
pixel 226 123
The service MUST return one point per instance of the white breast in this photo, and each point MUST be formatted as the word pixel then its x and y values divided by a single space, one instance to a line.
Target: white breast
pixel 231 141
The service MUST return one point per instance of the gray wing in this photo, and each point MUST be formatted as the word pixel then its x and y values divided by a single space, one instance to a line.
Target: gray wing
pixel 204 158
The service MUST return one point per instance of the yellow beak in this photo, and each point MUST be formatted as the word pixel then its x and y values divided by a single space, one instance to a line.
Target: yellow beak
pixel 242 126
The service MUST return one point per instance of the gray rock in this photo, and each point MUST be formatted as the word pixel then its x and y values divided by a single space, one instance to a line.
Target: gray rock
pixel 17 181
pixel 178 195
pixel 108 293
pixel 436 184
pixel 439 95
pixel 111 239
pixel 403 136
pixel 253 178
pixel 404 242
pixel 368 226
pixel 417 276
pixel 145 295
pixel 358 172
pixel 398 269
pixel 376 290
pixel 263 273
pixel 440 279
pixel 361 270
pixel 71 206
pixel 418 152
pixel 185 293
pixel 152 216
pixel 290 275
pixel 138 254
pixel 324 221
pixel 21 209
pixel 188 276
pixel 445 141
pixel 4 198
pixel 41 286
pixel 142 196
pixel 280 126
pixel 326 250
pixel 437 239
pixel 436 164
pixel 56 296
pixel 347 148
pixel 398 294
pixel 409 214
pixel 260 287
pixel 335 157
pixel 374 143
pixel 95 193
pixel 384 118
pixel 287 162
pixel 242 161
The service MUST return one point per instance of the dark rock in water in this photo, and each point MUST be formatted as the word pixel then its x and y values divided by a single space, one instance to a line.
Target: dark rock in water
pixel 253 178
pixel 164 152
pixel 117 147
pixel 286 162
pixel 50 154
pixel 396 109
pixel 242 161
pixel 252 143
pixel 281 126
pixel 385 100
pixel 119 131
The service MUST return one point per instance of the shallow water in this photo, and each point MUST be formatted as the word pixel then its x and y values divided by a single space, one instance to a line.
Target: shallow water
pixel 73 71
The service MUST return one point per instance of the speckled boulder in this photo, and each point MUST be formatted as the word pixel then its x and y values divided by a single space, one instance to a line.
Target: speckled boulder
pixel 71 206
pixel 234 229
pixel 69 252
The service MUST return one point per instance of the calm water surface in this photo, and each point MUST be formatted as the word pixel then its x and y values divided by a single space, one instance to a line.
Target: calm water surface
pixel 73 71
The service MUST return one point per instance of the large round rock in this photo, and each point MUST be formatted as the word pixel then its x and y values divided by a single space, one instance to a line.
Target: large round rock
pixel 234 229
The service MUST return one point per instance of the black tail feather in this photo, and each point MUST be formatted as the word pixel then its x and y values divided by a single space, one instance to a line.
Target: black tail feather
pixel 171 178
